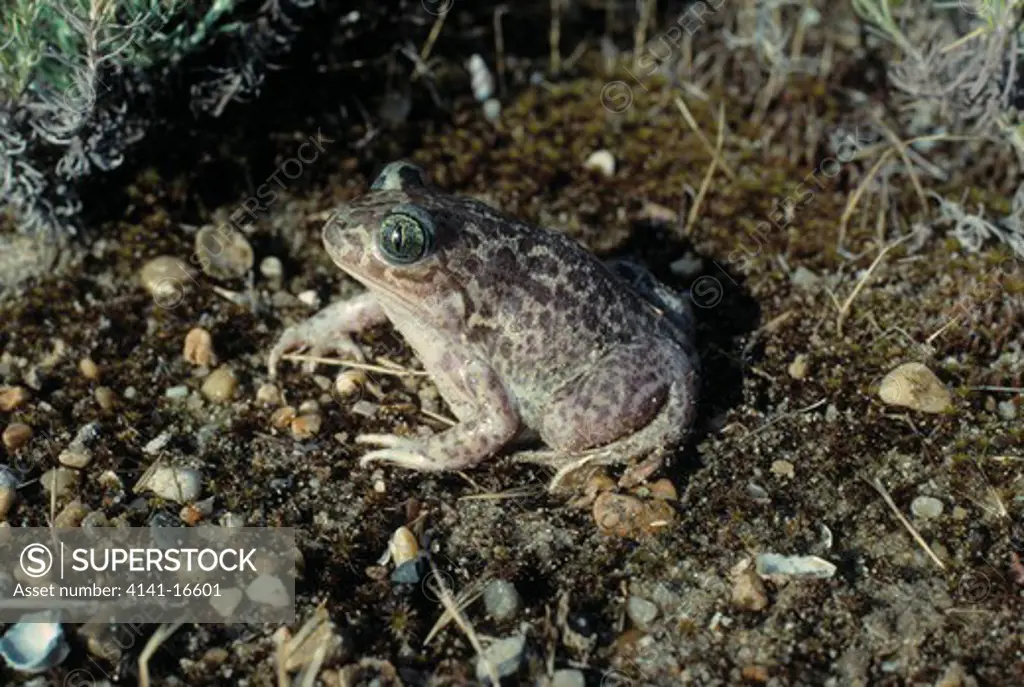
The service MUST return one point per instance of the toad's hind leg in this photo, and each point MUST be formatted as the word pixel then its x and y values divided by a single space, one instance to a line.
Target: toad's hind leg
pixel 640 399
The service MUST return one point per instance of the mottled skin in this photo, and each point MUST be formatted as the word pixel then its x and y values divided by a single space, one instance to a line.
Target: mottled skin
pixel 519 327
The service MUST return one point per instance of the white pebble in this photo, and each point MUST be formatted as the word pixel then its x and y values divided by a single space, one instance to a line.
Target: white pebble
pixel 178 484
pixel 157 443
pixel 227 601
pixel 269 591
pixel 481 79
pixel 8 490
pixel 492 109
pixel 601 160
pixel 773 564
pixel 403 546
pixel 271 268
pixel 926 507
pixel 914 386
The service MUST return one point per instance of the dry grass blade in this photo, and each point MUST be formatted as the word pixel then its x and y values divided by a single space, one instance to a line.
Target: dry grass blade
pixel 715 160
pixel 448 601
pixel 901 148
pixel 780 418
pixel 851 204
pixel 465 598
pixel 688 116
pixel 517 493
pixel 428 45
pixel 555 36
pixel 877 486
pixel 162 634
pixel 844 309
pixel 400 372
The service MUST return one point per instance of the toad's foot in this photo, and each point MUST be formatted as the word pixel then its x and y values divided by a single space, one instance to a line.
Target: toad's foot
pixel 492 424
pixel 569 463
pixel 406 453
pixel 329 331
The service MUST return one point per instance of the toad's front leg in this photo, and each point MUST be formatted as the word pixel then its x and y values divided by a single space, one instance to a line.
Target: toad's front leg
pixel 493 424
pixel 330 330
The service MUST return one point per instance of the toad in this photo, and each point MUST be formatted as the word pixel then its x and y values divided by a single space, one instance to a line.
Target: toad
pixel 523 331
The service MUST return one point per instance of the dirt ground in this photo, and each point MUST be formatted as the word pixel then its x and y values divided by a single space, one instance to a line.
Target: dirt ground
pixel 799 321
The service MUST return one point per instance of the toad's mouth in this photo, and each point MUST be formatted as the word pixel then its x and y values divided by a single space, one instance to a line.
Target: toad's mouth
pixel 384 291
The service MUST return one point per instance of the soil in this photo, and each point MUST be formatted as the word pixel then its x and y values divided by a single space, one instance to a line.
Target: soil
pixel 783 460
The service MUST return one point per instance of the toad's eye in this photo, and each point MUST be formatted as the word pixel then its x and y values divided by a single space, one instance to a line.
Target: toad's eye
pixel 406 235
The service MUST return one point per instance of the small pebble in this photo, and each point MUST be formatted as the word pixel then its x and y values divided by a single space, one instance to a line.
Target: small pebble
pixel 111 481
pixel 216 656
pixel 106 640
pixel 176 392
pixel 602 161
pixel 748 591
pixel 199 348
pixel 642 612
pixel 282 417
pixel 687 267
pixel 220 385
pixel 492 109
pixel 232 520
pixel 89 369
pixel 914 386
pixel 61 481
pixel 157 443
pixel 1007 410
pixel 95 519
pixel 268 590
pixel 268 394
pixel 505 655
pixel 410 572
pixel 223 252
pixel 16 435
pixel 105 397
pixel 773 564
pixel 568 677
pixel 783 468
pixel 403 546
pixel 798 368
pixel 227 601
pixel 309 406
pixel 71 515
pixel 306 426
pixel 480 78
pixel 805 278
pixel 192 513
pixel 501 599
pixel 663 489
pixel 627 516
pixel 35 644
pixel 179 484
pixel 310 298
pixel 75 456
pixel 926 507
pixel 365 408
pixel 271 268
pixel 8 490
pixel 349 382
pixel 165 278
pixel 11 397
pixel 755 674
